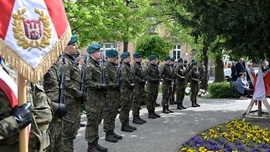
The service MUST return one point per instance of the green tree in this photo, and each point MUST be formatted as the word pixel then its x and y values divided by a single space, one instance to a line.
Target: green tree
pixel 153 45
pixel 105 20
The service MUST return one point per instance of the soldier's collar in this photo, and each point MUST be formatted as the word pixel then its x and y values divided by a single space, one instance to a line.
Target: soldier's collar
pixel 69 56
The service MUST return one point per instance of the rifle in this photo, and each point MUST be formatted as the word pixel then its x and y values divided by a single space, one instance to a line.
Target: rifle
pixel 82 86
pixel 103 72
pixel 62 95
pixel 133 77
pixel 118 74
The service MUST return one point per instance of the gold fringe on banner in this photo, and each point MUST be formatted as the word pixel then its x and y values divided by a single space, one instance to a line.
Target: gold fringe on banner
pixel 30 73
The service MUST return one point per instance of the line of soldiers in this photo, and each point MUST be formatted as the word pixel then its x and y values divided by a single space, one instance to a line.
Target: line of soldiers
pixel 101 85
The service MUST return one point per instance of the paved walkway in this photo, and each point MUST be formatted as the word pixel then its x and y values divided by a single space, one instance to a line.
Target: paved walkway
pixel 167 133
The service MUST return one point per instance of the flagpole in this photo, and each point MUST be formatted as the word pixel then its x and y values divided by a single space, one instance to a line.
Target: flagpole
pixel 23 140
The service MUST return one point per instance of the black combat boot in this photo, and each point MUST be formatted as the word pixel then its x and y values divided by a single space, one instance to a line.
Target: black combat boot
pixel 100 148
pixel 110 137
pixel 171 101
pixel 126 128
pixel 193 104
pixel 169 109
pixel 144 121
pixel 133 128
pixel 179 106
pixel 92 147
pixel 196 104
pixel 157 105
pixel 136 120
pixel 165 110
pixel 117 136
pixel 157 115
pixel 151 114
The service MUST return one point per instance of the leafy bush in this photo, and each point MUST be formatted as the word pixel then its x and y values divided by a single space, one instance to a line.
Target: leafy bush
pixel 220 90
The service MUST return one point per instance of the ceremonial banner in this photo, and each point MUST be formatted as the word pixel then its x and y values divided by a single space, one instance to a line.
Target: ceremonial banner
pixel 267 83
pixel 259 87
pixel 9 87
pixel 33 33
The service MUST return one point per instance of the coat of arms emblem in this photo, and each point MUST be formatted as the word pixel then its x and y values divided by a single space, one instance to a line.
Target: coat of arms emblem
pixel 31 33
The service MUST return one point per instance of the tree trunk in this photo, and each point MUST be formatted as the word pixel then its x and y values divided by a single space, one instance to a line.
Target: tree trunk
pixel 125 46
pixel 205 57
pixel 219 70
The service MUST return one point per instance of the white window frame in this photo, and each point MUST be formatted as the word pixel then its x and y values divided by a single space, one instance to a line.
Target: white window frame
pixel 176 50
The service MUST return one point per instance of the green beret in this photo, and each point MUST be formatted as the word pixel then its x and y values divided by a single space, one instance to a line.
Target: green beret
pixel 185 61
pixel 124 55
pixel 179 60
pixel 77 54
pixel 172 59
pixel 111 53
pixel 194 63
pixel 137 55
pixel 151 57
pixel 93 48
pixel 73 39
pixel 167 58
pixel 192 60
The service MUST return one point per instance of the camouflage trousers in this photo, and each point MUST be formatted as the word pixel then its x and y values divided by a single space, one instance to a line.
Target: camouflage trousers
pixel 55 129
pixel 71 123
pixel 94 105
pixel 111 109
pixel 126 99
pixel 165 93
pixel 151 94
pixel 180 92
pixel 138 92
pixel 194 86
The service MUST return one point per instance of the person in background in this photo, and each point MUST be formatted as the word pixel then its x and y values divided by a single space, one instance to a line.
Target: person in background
pixel 242 86
pixel 233 72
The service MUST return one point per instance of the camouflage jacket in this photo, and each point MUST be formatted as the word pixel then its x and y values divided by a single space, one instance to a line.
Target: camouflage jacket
pixel 152 73
pixel 194 75
pixel 180 73
pixel 166 73
pixel 112 72
pixel 202 71
pixel 72 76
pixel 126 75
pixel 51 83
pixel 9 128
pixel 42 116
pixel 139 73
pixel 93 77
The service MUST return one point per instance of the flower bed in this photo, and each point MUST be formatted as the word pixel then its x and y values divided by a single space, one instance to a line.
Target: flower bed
pixel 235 135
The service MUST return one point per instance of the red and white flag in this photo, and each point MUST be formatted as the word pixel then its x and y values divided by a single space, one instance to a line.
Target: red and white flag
pixel 33 34
pixel 259 88
pixel 252 75
pixel 267 83
pixel 9 87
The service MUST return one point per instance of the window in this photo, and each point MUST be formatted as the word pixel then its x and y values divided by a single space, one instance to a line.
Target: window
pixel 108 46
pixel 177 51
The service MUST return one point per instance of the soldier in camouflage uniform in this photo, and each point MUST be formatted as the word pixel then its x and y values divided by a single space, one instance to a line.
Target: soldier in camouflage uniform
pixel 112 96
pixel 202 75
pixel 12 120
pixel 96 87
pixel 180 76
pixel 152 86
pixel 71 121
pixel 166 75
pixel 138 91
pixel 194 84
pixel 39 139
pixel 173 86
pixel 127 79
pixel 51 87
